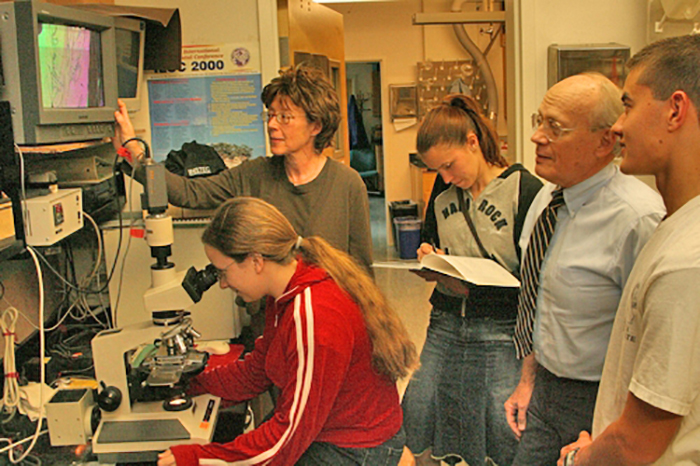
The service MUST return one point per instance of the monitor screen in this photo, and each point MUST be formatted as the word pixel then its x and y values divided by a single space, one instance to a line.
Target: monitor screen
pixel 60 71
pixel 128 58
pixel 130 39
pixel 70 60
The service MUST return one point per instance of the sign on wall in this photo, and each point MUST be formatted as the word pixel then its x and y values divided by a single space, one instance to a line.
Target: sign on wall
pixel 227 58
pixel 223 111
pixel 214 99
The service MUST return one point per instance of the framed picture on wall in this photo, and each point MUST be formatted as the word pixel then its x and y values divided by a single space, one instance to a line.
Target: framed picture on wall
pixel 404 103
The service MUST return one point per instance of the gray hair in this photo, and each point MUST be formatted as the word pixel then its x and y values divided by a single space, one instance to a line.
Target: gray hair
pixel 608 107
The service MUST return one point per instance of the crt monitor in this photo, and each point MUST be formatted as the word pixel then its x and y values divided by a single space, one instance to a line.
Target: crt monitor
pixel 11 224
pixel 130 38
pixel 59 69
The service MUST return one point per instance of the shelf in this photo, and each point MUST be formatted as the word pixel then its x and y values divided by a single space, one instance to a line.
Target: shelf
pixel 460 17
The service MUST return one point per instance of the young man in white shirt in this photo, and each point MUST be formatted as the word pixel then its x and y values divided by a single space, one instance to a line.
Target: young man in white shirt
pixel 648 408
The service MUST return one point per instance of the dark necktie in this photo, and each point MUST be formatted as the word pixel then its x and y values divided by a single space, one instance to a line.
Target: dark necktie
pixel 530 273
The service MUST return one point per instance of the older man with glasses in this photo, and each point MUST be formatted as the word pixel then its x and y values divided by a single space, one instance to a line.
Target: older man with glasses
pixel 580 239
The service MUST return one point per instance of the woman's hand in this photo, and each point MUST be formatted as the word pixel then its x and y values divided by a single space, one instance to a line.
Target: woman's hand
pixel 423 250
pixel 426 249
pixel 124 130
pixel 454 284
pixel 166 459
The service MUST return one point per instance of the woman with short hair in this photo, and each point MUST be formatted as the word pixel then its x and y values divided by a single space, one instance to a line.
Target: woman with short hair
pixel 320 196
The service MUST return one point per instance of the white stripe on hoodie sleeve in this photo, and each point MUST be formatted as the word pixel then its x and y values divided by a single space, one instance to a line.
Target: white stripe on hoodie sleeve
pixel 303 385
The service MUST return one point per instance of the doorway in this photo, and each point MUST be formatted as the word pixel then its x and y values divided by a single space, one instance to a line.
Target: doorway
pixel 366 143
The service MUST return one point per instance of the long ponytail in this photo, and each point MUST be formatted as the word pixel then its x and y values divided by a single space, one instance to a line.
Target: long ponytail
pixel 245 225
pixel 393 352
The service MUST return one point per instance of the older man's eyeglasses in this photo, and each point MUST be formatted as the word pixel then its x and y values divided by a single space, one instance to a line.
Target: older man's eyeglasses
pixel 282 118
pixel 551 128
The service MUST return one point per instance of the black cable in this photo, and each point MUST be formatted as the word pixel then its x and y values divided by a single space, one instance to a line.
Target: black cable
pixel 115 170
pixel 147 154
pixel 146 149
pixel 70 261
pixel 109 275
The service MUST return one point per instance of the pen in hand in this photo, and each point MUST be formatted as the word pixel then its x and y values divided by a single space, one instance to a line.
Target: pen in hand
pixel 437 250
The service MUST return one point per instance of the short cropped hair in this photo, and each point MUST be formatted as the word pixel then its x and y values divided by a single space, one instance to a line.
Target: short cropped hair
pixel 608 107
pixel 308 88
pixel 670 65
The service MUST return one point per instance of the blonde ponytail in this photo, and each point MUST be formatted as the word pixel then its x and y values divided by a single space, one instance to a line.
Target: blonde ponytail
pixel 393 352
pixel 245 225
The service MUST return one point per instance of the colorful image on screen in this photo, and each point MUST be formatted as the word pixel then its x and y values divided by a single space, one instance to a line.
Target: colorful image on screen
pixel 70 62
pixel 128 54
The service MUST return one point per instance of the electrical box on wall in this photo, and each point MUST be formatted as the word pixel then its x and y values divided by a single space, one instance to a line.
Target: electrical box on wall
pixel 52 217
pixel 567 60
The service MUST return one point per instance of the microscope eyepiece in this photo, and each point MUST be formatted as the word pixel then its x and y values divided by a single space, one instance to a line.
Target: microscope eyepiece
pixel 197 282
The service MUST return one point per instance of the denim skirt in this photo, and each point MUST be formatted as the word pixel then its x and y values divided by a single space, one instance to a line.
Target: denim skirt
pixel 455 402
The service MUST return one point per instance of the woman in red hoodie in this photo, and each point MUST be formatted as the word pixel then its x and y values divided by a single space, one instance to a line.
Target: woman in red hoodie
pixel 331 344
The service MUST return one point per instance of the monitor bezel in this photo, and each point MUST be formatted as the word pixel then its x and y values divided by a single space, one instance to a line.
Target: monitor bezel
pixel 10 181
pixel 133 104
pixel 18 38
pixel 49 13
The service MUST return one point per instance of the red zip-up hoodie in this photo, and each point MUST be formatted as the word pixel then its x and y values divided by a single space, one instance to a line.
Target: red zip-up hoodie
pixel 316 349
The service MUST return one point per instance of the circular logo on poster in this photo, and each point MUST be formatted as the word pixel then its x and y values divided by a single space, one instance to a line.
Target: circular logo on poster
pixel 240 56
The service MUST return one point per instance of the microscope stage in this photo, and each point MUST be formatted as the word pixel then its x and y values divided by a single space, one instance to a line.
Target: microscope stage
pixel 143 431
pixel 149 430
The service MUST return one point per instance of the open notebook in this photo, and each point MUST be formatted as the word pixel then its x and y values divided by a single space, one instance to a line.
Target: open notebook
pixel 475 270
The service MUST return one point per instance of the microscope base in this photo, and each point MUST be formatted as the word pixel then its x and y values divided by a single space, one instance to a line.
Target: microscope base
pixel 149 430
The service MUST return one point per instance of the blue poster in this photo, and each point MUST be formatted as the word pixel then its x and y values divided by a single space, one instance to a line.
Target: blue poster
pixel 221 111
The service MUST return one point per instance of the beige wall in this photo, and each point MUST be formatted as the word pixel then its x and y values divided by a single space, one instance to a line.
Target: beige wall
pixel 545 22
pixel 384 32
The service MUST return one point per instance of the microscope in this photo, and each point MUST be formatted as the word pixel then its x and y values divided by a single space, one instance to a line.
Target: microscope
pixel 143 368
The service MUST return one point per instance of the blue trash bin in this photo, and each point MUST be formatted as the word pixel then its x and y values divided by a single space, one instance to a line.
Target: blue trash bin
pixel 397 209
pixel 408 236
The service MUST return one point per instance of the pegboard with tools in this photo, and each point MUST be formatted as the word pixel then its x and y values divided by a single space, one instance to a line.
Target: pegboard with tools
pixel 437 79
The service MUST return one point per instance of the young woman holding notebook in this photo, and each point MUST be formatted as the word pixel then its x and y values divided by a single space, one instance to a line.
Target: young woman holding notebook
pixel 453 406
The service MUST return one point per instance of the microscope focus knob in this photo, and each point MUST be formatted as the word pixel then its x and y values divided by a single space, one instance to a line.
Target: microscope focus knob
pixel 109 398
